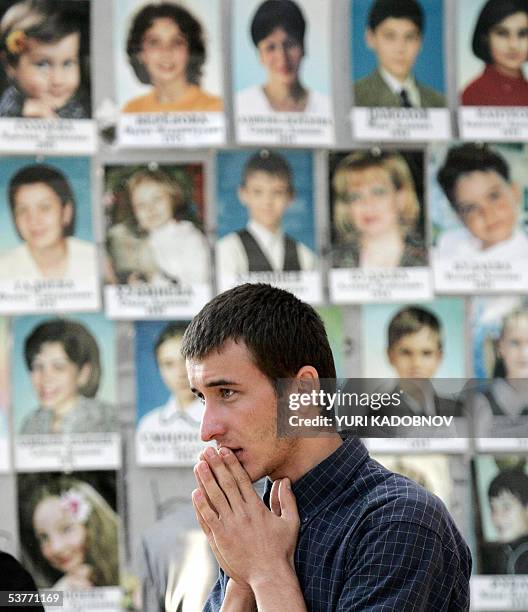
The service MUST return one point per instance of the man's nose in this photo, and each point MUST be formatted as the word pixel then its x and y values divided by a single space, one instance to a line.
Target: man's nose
pixel 212 425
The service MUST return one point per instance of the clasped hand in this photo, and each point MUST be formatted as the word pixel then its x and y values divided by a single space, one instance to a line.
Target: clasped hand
pixel 251 543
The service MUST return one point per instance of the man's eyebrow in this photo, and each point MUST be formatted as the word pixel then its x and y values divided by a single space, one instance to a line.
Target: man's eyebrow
pixel 220 382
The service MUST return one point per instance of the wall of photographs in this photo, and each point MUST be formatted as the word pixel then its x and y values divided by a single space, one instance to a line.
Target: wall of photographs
pixel 153 155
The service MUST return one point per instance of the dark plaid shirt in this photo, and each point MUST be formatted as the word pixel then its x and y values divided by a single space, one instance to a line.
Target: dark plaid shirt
pixel 372 540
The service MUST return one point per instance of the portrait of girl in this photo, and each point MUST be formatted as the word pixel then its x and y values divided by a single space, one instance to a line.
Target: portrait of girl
pixel 376 211
pixel 69 531
pixel 166 49
pixel 44 53
pixel 43 212
pixel 64 365
pixel 278 30
pixel 500 352
pixel 500 41
pixel 153 231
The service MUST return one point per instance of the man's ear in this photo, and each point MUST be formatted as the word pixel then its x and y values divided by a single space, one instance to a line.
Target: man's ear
pixel 307 379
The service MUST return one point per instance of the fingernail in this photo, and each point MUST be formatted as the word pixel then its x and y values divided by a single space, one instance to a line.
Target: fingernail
pixel 288 483
pixel 209 452
pixel 224 451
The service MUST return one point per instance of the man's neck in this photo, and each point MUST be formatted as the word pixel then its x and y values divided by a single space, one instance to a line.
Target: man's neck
pixel 309 453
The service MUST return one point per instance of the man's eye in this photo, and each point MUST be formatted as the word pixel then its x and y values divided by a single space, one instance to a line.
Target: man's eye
pixel 226 393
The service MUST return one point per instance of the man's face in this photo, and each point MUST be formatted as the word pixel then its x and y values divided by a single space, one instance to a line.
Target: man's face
pixel 396 42
pixel 488 205
pixel 416 355
pixel 266 197
pixel 241 410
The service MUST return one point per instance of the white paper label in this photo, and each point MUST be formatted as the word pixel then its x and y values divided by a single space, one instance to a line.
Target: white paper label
pixel 74 136
pixel 170 129
pixel 67 452
pixel 358 285
pixel 307 286
pixel 155 301
pixel 504 123
pixel 285 129
pixel 399 124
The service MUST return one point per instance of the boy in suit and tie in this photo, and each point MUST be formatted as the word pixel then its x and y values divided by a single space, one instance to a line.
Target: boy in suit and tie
pixel 394 32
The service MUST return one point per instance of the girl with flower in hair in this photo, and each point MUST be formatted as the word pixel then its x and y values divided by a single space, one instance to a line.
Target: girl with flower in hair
pixel 41 45
pixel 69 532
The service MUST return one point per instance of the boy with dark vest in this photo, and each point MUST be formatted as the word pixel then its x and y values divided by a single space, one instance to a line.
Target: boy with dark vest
pixel 266 191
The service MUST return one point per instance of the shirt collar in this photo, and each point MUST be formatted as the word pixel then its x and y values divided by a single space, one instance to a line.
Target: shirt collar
pixel 263 234
pixel 326 480
pixel 396 86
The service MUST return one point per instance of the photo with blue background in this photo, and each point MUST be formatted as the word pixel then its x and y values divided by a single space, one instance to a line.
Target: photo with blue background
pixel 374 343
pixel 76 170
pixel 429 67
pixel 315 67
pixel 298 220
pixel 151 391
pixel 25 400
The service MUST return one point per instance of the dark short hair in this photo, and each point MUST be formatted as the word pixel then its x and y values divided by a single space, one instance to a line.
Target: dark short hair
pixel 410 320
pixel 282 333
pixel 190 28
pixel 53 178
pixel 78 344
pixel 397 9
pixel 47 21
pixel 467 158
pixel 273 14
pixel 514 481
pixel 492 13
pixel 271 163
pixel 172 330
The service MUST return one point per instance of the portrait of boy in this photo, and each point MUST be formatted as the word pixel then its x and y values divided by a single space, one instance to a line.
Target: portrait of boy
pixel 415 352
pixel 169 414
pixel 394 33
pixel 477 182
pixel 502 486
pixel 266 190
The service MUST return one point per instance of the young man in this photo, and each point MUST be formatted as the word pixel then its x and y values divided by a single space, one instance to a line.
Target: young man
pixel 394 32
pixel 476 181
pixel 266 191
pixel 343 533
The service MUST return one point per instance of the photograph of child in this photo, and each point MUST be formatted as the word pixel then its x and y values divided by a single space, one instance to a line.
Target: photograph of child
pixel 169 414
pixel 69 529
pixel 47 230
pixel 501 484
pixel 499 329
pixel 44 50
pixel 478 183
pixel 402 62
pixel 173 52
pixel 278 29
pixel 415 347
pixel 275 197
pixel 67 374
pixel 377 211
pixel 496 32
pixel 154 219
